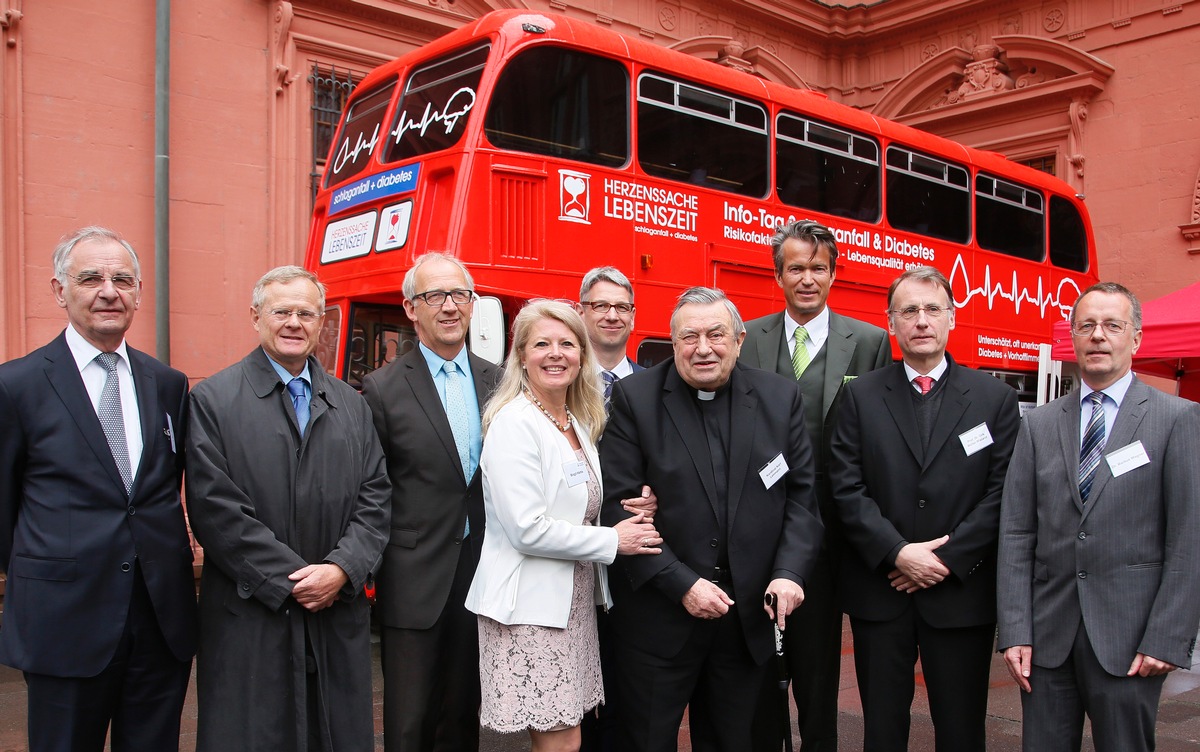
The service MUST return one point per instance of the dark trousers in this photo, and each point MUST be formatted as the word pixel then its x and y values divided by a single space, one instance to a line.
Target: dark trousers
pixel 713 676
pixel 1123 709
pixel 813 649
pixel 140 693
pixel 431 677
pixel 599 730
pixel 955 664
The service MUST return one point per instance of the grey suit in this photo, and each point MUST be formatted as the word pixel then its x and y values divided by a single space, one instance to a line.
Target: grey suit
pixel 814 634
pixel 1111 578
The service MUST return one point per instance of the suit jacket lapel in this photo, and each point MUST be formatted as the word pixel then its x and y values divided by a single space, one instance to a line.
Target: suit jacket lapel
pixel 899 403
pixel 67 383
pixel 146 385
pixel 744 404
pixel 767 354
pixel 677 400
pixel 1069 440
pixel 416 373
pixel 839 349
pixel 954 403
pixel 1129 417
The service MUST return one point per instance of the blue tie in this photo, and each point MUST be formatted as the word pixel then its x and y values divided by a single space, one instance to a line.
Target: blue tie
pixel 1093 445
pixel 609 377
pixel 456 413
pixel 295 388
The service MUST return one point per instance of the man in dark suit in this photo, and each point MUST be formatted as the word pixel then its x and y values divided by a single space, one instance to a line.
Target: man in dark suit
pixel 430 641
pixel 821 350
pixel 1099 579
pixel 917 466
pixel 100 606
pixel 726 449
pixel 606 307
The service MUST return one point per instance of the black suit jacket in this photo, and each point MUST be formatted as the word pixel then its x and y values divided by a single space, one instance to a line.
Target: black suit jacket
pixel 431 500
pixel 889 491
pixel 69 533
pixel 655 436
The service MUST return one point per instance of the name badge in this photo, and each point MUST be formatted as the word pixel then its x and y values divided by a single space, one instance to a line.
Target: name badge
pixel 170 432
pixel 576 472
pixel 773 470
pixel 1128 457
pixel 976 438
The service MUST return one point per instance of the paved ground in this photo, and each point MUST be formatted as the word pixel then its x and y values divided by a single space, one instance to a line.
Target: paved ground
pixel 1178 719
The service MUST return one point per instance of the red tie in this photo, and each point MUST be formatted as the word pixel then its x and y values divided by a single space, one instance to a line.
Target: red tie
pixel 924 383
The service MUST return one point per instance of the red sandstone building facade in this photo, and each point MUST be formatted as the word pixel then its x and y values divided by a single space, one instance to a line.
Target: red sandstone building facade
pixel 1104 93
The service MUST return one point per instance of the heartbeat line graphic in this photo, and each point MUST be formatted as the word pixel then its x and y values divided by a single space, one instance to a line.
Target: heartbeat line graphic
pixel 1015 293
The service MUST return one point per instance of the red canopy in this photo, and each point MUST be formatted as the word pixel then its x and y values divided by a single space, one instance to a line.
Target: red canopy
pixel 1170 339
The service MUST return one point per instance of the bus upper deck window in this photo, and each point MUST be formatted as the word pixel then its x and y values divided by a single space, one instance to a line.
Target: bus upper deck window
pixel 1009 218
pixel 360 134
pixel 826 169
pixel 436 104
pixel 1068 236
pixel 927 195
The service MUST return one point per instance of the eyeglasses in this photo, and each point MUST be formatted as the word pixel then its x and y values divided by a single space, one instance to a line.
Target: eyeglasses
pixel 908 313
pixel 602 306
pixel 1085 328
pixel 715 338
pixel 92 280
pixel 437 298
pixel 285 314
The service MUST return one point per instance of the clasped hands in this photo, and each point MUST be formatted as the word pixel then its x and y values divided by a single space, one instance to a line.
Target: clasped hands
pixel 918 567
pixel 636 535
pixel 317 585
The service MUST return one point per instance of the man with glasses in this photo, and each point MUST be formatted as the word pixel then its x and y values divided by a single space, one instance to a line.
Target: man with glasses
pixel 917 468
pixel 287 491
pixel 606 305
pixel 821 350
pixel 1099 571
pixel 426 406
pixel 100 609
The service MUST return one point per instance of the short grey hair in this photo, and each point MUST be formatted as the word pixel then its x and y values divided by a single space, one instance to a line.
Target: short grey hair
pixel 281 275
pixel 1114 288
pixel 604 274
pixel 409 286
pixel 707 296
pixel 62 252
pixel 928 274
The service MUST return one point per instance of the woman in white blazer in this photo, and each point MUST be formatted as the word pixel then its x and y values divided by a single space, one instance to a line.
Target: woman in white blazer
pixel 541 569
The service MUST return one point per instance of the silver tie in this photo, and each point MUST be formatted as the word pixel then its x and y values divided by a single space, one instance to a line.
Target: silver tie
pixel 112 418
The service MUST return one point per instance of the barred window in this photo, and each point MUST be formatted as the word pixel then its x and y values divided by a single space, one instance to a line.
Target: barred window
pixel 1041 164
pixel 331 87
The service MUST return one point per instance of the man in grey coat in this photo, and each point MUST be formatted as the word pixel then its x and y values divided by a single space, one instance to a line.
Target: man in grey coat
pixel 290 498
pixel 1099 563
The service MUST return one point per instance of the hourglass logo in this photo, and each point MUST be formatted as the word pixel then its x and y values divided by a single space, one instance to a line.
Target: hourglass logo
pixel 574 196
pixel 393 226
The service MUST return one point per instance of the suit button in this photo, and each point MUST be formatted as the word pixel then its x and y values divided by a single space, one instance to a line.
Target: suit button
pixel 713 543
pixel 921 504
pixel 245 586
pixel 1083 575
pixel 125 567
pixel 1082 535
pixel 132 511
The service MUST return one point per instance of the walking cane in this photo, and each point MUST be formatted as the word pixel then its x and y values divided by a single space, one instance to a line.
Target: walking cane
pixel 784 678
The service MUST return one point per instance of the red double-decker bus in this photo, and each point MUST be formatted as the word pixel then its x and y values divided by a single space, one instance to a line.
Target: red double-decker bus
pixel 534 147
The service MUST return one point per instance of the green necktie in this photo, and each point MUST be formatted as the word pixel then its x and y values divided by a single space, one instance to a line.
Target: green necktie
pixel 800 359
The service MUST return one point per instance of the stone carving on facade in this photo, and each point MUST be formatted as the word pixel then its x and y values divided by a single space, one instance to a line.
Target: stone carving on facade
pixel 1077 113
pixel 1012 24
pixel 667 17
pixel 8 20
pixel 283 24
pixel 929 50
pixel 985 74
pixel 1054 19
pixel 1191 230
pixel 731 56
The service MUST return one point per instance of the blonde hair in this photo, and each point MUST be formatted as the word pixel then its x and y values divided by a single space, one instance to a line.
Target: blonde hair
pixel 585 399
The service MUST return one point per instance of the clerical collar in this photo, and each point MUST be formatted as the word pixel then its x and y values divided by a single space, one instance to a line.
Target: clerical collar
pixel 704 395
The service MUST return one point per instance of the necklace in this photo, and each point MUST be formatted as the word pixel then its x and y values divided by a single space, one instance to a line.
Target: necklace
pixel 564 427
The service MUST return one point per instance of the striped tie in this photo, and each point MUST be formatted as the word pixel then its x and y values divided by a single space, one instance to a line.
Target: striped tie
pixel 1093 445
pixel 800 359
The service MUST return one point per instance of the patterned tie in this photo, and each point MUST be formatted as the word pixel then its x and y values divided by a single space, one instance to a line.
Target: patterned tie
pixel 295 388
pixel 924 383
pixel 112 418
pixel 609 377
pixel 800 359
pixel 1093 445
